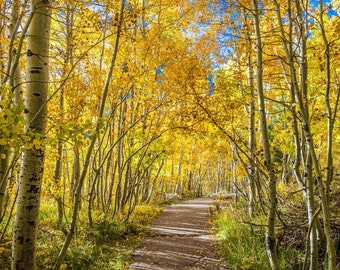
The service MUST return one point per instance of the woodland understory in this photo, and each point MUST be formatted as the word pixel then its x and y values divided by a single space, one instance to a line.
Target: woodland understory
pixel 109 109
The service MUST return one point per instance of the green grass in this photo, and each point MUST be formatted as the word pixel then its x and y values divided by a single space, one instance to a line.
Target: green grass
pixel 107 245
pixel 242 244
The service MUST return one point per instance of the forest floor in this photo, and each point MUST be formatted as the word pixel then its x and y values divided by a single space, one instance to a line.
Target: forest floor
pixel 180 239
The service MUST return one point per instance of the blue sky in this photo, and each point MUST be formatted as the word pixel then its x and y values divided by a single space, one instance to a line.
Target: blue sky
pixel 327 3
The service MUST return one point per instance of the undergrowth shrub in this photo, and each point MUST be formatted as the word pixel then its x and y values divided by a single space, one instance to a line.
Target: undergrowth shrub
pixel 241 241
pixel 145 214
pixel 107 245
pixel 241 245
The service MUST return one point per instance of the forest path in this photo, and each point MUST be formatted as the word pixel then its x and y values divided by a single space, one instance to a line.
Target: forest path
pixel 179 239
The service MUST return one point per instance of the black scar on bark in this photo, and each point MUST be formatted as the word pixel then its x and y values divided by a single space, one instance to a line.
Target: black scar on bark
pixel 34 189
pixel 21 239
pixel 35 71
pixel 29 207
pixel 271 243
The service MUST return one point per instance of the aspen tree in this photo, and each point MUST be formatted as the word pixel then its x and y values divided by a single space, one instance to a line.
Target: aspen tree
pixel 16 86
pixel 4 161
pixel 32 163
pixel 68 60
pixel 270 230
pixel 324 188
pixel 252 134
pixel 301 95
pixel 300 144
pixel 15 77
pixel 79 187
pixel 3 151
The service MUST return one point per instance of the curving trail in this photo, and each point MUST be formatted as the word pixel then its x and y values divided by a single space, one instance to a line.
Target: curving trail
pixel 179 239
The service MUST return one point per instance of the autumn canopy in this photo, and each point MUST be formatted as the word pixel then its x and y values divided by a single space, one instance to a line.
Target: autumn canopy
pixel 110 106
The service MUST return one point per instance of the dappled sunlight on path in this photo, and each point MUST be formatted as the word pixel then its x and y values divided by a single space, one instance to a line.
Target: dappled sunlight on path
pixel 179 239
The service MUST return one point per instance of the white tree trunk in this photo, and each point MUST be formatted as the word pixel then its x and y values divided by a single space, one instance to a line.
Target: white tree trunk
pixel 270 229
pixel 26 218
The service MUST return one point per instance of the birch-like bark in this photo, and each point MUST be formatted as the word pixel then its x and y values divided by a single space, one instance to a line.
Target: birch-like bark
pixel 153 184
pixel 302 101
pixel 15 80
pixel 32 163
pixel 251 141
pixel 330 117
pixel 251 166
pixel 4 162
pixel 296 94
pixel 68 60
pixel 313 244
pixel 15 83
pixel 303 104
pixel 120 158
pixel 325 188
pixel 303 92
pixel 270 229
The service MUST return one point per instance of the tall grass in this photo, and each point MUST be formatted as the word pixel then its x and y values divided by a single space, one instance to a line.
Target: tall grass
pixel 241 245
pixel 107 245
pixel 242 242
